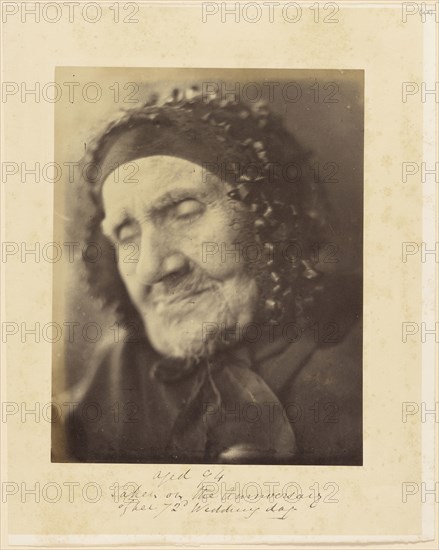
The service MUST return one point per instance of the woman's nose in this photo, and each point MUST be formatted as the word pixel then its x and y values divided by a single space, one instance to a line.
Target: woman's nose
pixel 159 256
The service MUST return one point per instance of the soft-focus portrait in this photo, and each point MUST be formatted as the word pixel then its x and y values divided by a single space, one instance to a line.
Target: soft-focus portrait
pixel 213 299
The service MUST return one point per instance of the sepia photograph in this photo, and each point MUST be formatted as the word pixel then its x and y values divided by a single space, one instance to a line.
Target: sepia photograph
pixel 218 262
pixel 213 295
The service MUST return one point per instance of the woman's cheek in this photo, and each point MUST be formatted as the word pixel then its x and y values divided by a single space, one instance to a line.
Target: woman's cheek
pixel 214 244
pixel 127 257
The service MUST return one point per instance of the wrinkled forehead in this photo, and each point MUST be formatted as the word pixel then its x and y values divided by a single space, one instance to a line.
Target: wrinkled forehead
pixel 146 180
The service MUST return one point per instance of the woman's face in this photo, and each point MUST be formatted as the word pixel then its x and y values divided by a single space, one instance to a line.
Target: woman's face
pixel 179 238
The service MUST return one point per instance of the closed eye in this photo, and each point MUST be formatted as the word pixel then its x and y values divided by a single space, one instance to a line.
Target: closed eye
pixel 126 231
pixel 184 210
pixel 188 209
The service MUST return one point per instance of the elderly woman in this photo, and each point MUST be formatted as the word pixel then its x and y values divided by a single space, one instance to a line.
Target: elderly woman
pixel 211 210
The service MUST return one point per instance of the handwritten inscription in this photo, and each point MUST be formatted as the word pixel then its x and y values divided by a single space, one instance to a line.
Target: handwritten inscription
pixel 212 493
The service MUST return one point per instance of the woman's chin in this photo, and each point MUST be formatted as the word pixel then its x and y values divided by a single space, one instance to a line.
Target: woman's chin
pixel 197 327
